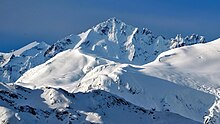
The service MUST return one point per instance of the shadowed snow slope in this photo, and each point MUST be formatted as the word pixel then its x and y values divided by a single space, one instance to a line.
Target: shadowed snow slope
pixel 18 105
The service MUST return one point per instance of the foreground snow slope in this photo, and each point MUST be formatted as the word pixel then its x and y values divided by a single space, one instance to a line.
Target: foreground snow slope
pixel 18 105
pixel 75 71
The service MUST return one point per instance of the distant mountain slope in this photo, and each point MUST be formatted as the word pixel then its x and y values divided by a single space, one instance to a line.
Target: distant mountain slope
pixel 60 107
pixel 14 64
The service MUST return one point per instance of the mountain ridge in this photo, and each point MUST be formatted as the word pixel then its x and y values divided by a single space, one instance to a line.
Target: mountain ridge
pixel 121 42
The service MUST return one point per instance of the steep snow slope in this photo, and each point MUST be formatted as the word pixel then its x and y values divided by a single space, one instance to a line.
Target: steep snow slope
pixel 4 58
pixel 14 64
pixel 28 47
pixel 74 71
pixel 195 66
pixel 59 106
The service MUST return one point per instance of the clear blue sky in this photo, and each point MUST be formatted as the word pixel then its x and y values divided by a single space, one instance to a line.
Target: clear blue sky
pixel 23 21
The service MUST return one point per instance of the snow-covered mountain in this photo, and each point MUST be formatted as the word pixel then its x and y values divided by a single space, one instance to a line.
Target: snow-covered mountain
pixel 114 40
pixel 112 61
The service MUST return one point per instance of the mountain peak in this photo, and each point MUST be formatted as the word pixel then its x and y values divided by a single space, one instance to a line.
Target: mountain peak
pixel 114 25
pixel 180 41
pixel 114 19
pixel 110 26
